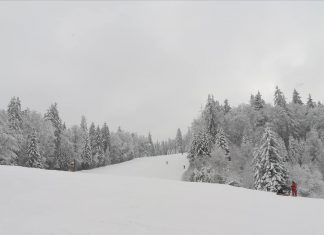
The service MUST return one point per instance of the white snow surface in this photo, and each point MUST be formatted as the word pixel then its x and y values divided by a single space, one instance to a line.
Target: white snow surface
pixel 163 167
pixel 41 202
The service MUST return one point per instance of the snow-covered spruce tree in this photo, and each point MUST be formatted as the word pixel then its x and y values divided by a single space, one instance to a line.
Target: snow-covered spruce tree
pixel 15 114
pixel 92 138
pixel 52 115
pixel 179 141
pixel 106 141
pixel 150 145
pixel 258 102
pixel 226 107
pixel 279 98
pixel 35 160
pixel 270 172
pixel 283 119
pixel 210 117
pixel 200 145
pixel 310 102
pixel 86 155
pixel 83 125
pixel 296 98
pixel 105 133
pixel 99 148
pixel 222 142
pixel 294 150
pixel 8 143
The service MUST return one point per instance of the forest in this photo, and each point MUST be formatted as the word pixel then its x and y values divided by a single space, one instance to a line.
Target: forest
pixel 260 145
pixel 30 139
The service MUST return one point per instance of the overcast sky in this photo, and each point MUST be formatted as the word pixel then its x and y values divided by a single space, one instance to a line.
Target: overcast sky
pixel 149 66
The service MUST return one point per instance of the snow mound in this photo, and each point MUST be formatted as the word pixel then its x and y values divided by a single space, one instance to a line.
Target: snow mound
pixel 42 202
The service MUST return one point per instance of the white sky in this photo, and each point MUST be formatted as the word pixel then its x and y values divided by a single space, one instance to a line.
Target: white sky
pixel 149 66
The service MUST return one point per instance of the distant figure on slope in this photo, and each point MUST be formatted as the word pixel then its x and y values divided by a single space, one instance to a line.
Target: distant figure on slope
pixel 294 189
pixel 167 162
pixel 184 167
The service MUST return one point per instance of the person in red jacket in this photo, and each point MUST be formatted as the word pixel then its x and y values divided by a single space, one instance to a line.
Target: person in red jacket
pixel 294 189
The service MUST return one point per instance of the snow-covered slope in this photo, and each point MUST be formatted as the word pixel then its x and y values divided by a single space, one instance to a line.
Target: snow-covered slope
pixel 164 167
pixel 44 202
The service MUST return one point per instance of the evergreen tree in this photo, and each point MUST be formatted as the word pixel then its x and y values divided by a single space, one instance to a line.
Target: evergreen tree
pixel 296 149
pixel 222 142
pixel 210 117
pixel 15 114
pixel 296 98
pixel 99 148
pixel 252 99
pixel 258 102
pixel 83 124
pixel 15 124
pixel 200 146
pixel 150 146
pixel 105 138
pixel 92 137
pixel 52 115
pixel 270 172
pixel 310 102
pixel 227 107
pixel 76 137
pixel 86 155
pixel 34 158
pixel 279 98
pixel 179 141
pixel 8 143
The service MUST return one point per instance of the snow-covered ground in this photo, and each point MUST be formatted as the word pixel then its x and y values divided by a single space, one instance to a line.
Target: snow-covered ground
pixel 34 201
pixel 164 167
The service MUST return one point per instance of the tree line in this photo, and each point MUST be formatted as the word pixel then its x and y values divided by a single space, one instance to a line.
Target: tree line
pixel 260 145
pixel 30 139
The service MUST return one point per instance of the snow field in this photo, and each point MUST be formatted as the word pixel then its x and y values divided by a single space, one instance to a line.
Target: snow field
pixel 41 202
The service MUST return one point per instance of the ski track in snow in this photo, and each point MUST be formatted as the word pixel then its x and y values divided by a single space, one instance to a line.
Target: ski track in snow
pixel 122 199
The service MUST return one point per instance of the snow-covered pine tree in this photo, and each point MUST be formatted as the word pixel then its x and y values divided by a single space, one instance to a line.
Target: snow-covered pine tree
pixel 8 143
pixel 150 145
pixel 92 138
pixel 179 141
pixel 279 98
pixel 294 150
pixel 296 98
pixel 310 102
pixel 270 172
pixel 100 157
pixel 86 155
pixel 83 125
pixel 35 160
pixel 210 117
pixel 222 142
pixel 53 116
pixel 105 133
pixel 15 114
pixel 258 102
pixel 200 145
pixel 227 107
